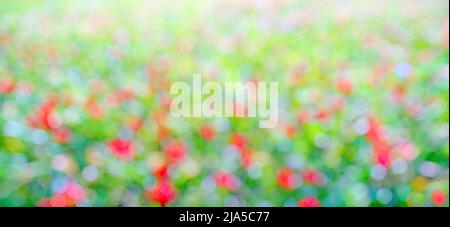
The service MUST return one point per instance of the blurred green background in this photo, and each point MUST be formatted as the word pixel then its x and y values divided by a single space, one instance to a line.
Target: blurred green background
pixel 363 92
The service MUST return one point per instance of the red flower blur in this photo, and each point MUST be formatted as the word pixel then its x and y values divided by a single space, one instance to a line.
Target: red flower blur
pixel 304 116
pixel 309 202
pixel 208 132
pixel 344 85
pixel 439 197
pixel 247 157
pixel 381 147
pixel 93 108
pixel 226 181
pixel 117 97
pixel 121 148
pixel 7 85
pixel 62 135
pixel 238 140
pixel 287 179
pixel 311 177
pixel 44 116
pixel 160 170
pixel 163 192
pixel 322 114
pixel 135 123
pixel 175 152
pixel 290 130
pixel 71 195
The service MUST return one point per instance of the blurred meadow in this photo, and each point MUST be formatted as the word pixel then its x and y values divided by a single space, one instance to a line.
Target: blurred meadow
pixel 363 93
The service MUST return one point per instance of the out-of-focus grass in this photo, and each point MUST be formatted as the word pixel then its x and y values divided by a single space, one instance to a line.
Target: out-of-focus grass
pixel 394 55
